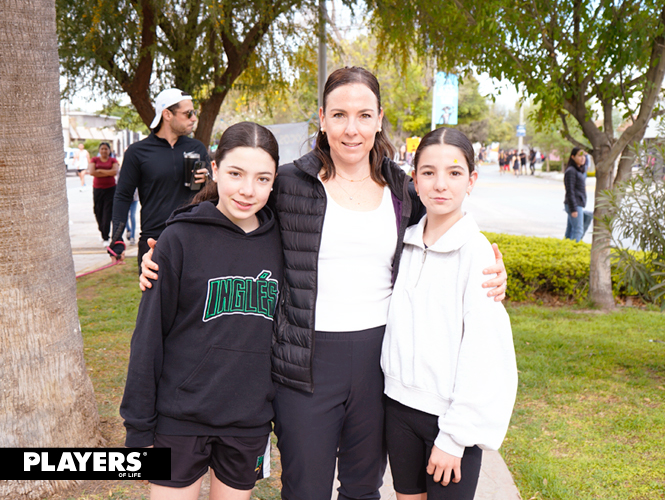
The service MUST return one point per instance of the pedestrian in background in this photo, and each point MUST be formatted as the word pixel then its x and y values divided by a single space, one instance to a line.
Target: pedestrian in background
pixel 532 161
pixel 155 166
pixel 574 180
pixel 522 157
pixel 82 159
pixel 131 219
pixel 103 168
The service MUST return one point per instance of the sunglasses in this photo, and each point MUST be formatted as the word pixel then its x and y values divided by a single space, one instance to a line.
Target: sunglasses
pixel 188 114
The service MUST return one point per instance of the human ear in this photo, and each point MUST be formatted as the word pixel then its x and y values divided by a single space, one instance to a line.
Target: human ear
pixel 321 116
pixel 473 177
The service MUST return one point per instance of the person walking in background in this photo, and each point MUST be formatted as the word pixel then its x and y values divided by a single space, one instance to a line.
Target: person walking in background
pixel 82 159
pixel 503 162
pixel 514 162
pixel 155 166
pixel 103 168
pixel 522 159
pixel 131 219
pixel 574 180
pixel 448 355
pixel 532 161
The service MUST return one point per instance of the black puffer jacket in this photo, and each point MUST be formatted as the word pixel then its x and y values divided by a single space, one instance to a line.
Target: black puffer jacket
pixel 299 200
pixel 575 181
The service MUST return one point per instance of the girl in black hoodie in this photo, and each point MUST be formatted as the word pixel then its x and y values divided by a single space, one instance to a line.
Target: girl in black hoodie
pixel 199 377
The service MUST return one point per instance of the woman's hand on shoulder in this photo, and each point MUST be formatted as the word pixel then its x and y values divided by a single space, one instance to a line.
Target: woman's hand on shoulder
pixel 499 283
pixel 148 267
pixel 442 466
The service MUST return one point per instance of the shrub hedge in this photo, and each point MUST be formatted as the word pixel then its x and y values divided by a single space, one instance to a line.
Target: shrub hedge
pixel 544 266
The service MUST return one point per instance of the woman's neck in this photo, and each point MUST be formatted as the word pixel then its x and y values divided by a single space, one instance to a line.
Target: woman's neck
pixel 355 171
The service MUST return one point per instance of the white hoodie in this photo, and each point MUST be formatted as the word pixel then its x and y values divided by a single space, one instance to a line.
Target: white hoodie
pixel 448 348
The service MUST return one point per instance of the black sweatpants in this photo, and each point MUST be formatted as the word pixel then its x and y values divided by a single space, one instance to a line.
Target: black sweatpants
pixel 103 207
pixel 342 419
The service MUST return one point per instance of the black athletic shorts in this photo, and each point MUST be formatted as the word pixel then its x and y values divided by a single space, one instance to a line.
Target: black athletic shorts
pixel 237 462
pixel 410 436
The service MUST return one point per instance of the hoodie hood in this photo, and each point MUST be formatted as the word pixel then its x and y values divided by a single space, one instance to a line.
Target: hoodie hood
pixel 207 213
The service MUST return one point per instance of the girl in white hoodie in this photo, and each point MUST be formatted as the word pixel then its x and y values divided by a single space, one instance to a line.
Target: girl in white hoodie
pixel 448 356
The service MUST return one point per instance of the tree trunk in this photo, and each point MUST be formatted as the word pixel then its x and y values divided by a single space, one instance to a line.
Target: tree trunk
pixel 46 398
pixel 209 111
pixel 600 272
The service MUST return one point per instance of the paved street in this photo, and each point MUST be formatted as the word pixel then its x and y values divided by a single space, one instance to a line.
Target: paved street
pixel 526 205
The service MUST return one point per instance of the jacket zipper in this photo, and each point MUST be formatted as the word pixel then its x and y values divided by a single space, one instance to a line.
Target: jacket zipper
pixel 422 265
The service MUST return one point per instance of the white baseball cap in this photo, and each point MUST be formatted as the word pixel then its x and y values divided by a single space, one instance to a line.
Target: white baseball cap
pixel 165 99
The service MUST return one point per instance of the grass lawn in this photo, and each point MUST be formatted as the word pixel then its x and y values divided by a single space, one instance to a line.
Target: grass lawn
pixel 589 422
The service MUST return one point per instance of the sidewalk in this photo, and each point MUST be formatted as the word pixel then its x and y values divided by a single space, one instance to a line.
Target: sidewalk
pixel 496 482
pixel 87 249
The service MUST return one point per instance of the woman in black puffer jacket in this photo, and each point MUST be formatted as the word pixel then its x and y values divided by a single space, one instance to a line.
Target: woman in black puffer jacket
pixel 343 210
pixel 575 181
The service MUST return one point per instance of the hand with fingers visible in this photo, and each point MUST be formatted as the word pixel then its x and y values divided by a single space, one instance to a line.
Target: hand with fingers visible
pixel 148 267
pixel 444 467
pixel 499 283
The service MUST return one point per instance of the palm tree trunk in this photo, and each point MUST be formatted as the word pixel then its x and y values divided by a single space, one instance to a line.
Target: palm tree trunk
pixel 46 398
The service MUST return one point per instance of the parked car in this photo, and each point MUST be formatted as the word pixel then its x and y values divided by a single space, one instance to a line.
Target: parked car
pixel 69 159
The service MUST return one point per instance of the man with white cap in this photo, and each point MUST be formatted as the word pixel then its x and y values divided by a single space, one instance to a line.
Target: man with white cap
pixel 155 166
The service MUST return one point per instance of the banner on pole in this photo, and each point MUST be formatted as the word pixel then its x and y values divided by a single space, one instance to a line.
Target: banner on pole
pixel 445 95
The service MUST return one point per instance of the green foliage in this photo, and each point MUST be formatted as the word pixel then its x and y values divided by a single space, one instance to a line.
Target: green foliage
pixel 588 421
pixel 547 136
pixel 473 111
pixel 635 214
pixel 202 47
pixel 556 165
pixel 129 118
pixel 502 127
pixel 543 266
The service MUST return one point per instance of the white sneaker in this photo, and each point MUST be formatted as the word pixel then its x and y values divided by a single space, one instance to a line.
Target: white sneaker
pixel 132 241
pixel 105 243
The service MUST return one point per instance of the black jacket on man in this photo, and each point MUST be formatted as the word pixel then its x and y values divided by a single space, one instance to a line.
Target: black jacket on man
pixel 156 169
pixel 299 200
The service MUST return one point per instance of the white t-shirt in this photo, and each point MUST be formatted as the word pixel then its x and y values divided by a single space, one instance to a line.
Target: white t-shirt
pixel 355 267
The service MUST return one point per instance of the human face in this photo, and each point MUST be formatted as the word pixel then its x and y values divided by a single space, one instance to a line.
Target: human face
pixel 104 152
pixel 244 181
pixel 442 181
pixel 351 120
pixel 580 158
pixel 183 118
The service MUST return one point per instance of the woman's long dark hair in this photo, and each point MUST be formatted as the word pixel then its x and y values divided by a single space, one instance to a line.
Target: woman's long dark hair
pixel 240 135
pixel 382 146
pixel 451 137
pixel 572 162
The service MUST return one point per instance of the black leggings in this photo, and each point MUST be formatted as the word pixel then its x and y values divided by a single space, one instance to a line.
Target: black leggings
pixel 342 419
pixel 410 435
pixel 103 202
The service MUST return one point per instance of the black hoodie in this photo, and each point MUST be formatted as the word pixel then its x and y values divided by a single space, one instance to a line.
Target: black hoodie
pixel 200 353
